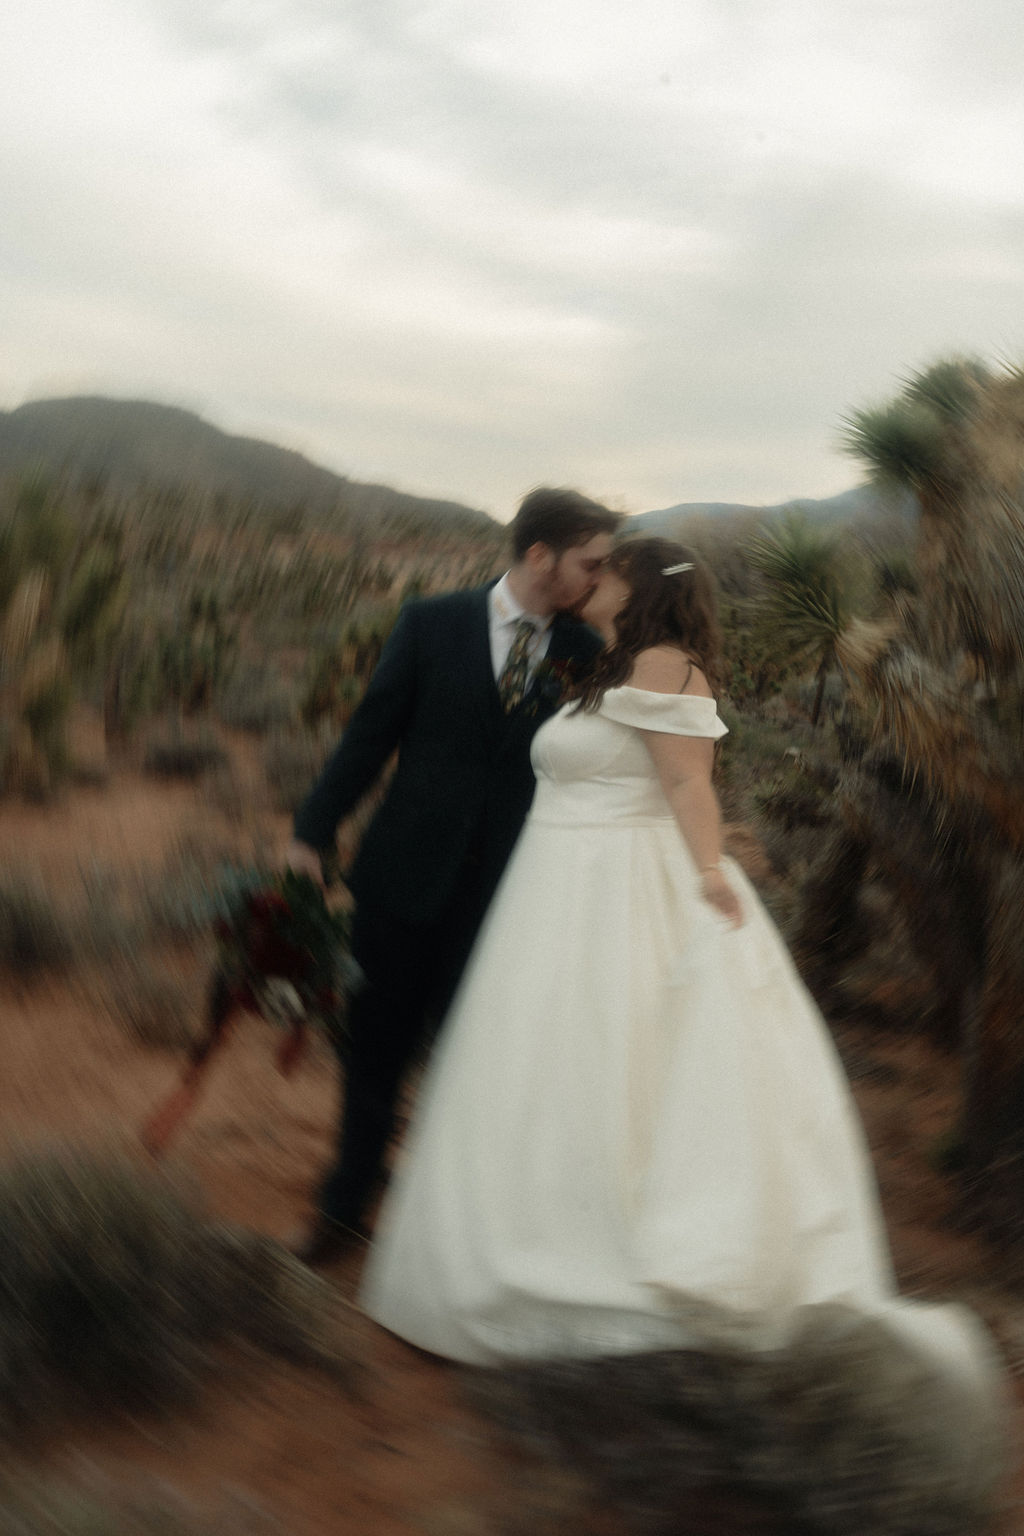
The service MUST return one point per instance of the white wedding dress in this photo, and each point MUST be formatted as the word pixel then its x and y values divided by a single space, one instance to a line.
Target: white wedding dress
pixel 634 1132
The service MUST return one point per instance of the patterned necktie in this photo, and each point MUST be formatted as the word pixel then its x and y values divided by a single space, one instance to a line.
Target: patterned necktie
pixel 512 682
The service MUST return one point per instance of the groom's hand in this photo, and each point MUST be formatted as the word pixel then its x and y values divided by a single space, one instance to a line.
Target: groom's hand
pixel 305 860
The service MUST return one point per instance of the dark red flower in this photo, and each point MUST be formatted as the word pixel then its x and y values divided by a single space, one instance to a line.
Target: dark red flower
pixel 268 904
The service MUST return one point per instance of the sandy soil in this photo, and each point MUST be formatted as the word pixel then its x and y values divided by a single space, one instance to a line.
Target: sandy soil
pixel 404 1455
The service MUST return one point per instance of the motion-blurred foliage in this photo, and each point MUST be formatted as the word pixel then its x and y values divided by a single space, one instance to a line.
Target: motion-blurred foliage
pixel 115 1291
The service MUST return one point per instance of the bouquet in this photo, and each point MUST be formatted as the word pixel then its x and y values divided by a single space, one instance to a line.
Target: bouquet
pixel 282 954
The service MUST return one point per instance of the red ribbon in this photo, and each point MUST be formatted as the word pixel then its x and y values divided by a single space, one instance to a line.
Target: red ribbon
pixel 223 1003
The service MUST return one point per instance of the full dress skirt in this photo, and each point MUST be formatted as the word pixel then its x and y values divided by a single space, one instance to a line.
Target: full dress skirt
pixel 635 1132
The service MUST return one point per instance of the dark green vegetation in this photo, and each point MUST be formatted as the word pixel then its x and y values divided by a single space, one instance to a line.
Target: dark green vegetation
pixel 115 1293
pixel 119 1299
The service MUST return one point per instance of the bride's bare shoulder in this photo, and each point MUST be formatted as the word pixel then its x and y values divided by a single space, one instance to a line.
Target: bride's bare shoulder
pixel 665 669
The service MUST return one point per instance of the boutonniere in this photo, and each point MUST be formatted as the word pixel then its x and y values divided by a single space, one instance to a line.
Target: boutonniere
pixel 553 682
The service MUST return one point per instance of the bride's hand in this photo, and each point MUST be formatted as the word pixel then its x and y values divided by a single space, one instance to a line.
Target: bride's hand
pixel 718 893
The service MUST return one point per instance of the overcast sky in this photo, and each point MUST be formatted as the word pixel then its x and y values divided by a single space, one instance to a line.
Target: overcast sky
pixel 655 249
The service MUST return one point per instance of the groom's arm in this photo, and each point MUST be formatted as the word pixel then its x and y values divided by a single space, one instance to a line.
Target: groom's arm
pixel 371 736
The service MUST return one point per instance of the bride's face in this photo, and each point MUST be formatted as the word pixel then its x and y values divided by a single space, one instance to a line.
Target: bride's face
pixel 609 597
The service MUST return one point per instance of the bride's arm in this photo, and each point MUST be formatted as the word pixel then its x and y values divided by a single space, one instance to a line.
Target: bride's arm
pixel 683 765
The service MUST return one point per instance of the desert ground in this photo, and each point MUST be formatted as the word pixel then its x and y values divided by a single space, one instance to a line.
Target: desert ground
pixel 398 1450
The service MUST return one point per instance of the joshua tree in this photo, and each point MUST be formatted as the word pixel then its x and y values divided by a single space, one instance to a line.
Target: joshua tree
pixel 808 604
pixel 937 805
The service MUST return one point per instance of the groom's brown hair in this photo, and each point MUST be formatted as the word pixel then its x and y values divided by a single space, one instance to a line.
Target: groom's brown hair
pixel 559 518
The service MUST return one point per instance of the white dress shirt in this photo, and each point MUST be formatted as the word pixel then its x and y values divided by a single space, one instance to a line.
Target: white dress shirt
pixel 504 614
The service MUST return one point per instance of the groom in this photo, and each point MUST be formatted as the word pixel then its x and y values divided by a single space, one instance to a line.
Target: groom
pixel 462 685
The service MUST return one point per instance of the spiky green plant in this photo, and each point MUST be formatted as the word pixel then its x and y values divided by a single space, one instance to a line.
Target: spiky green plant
pixel 902 442
pixel 937 809
pixel 809 601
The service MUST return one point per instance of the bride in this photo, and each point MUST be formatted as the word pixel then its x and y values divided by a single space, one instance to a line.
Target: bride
pixel 635 1133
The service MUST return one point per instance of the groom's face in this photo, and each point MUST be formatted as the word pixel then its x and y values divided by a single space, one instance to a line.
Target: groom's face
pixel 572 573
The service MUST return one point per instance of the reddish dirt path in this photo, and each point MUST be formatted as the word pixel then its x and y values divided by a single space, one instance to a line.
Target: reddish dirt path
pixel 405 1455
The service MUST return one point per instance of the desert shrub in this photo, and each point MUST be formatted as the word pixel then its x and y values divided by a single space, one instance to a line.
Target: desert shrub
pixel 257 698
pixel 89 775
pixel 760 745
pixel 888 982
pixel 198 652
pixel 329 692
pixel 291 763
pixel 177 755
pixel 29 1507
pixel 799 794
pixel 114 1291
pixel 34 935
pixel 45 714
pixel 845 1430
pixel 131 680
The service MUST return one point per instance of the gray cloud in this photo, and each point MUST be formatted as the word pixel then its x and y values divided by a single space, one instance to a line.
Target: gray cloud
pixel 657 253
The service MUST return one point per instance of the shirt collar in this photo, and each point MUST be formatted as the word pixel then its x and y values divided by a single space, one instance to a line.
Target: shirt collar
pixel 507 611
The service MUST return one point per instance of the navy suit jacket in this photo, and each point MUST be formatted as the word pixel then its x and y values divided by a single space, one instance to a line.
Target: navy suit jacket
pixel 463 783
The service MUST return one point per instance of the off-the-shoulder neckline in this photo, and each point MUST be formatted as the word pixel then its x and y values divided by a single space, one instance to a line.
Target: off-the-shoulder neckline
pixel 656 693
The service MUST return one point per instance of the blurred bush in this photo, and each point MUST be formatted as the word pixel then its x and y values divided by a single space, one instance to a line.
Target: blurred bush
pixel 114 1291
pixel 29 1507
pixel 844 1430
pixel 257 698
pixel 183 755
pixel 34 935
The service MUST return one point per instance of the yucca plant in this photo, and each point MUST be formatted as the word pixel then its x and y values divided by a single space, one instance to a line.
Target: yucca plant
pixel 809 600
pixel 937 806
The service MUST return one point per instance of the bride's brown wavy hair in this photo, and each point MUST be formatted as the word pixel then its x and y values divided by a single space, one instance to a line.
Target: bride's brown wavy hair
pixel 679 610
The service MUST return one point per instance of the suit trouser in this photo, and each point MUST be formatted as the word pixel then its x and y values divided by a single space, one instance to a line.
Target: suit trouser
pixel 411 971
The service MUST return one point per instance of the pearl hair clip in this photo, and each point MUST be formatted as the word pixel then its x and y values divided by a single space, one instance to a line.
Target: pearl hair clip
pixel 677 570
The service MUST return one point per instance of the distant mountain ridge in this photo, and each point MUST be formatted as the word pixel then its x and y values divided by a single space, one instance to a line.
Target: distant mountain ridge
pixel 862 503
pixel 133 443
